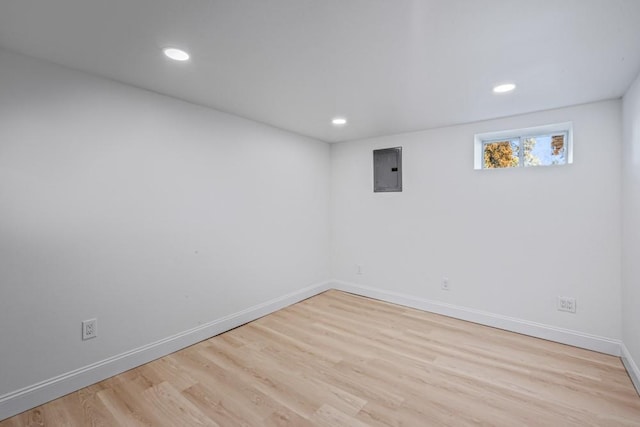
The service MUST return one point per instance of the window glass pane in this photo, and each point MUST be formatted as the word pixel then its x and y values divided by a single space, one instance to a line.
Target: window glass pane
pixel 501 154
pixel 545 150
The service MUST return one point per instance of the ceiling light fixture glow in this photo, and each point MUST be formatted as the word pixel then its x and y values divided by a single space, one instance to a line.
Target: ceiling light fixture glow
pixel 507 87
pixel 339 121
pixel 176 54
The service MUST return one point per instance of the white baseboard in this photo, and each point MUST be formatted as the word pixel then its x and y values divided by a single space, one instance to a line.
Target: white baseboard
pixel 538 330
pixel 29 397
pixel 631 366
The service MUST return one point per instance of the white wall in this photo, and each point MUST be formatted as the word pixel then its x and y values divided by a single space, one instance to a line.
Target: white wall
pixel 151 214
pixel 631 223
pixel 156 215
pixel 510 241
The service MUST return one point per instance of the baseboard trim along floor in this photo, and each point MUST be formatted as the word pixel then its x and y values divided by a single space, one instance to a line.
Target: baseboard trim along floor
pixel 538 330
pixel 29 397
pixel 37 394
pixel 525 327
pixel 632 368
pixel 342 359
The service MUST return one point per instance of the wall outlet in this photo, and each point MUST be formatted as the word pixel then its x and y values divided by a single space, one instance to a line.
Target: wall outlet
pixel 89 329
pixel 567 304
pixel 445 285
pixel 358 269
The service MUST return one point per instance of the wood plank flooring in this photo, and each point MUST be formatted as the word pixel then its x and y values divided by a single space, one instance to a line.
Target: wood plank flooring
pixel 341 360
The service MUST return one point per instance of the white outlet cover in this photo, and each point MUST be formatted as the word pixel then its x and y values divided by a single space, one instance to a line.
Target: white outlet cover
pixel 567 304
pixel 89 329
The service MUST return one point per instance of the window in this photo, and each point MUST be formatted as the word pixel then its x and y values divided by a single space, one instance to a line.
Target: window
pixel 540 146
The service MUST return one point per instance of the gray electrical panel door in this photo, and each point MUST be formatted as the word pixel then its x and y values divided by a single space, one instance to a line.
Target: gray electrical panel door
pixel 387 169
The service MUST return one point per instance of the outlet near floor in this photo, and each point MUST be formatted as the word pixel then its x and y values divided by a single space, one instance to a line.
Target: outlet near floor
pixel 567 304
pixel 89 329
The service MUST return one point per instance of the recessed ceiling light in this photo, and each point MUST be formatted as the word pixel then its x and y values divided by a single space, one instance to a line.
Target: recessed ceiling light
pixel 339 121
pixel 176 54
pixel 507 87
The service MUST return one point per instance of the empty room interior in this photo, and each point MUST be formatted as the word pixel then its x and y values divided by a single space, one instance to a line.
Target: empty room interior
pixel 320 213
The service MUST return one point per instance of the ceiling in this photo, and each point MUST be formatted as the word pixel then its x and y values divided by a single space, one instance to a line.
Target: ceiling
pixel 388 66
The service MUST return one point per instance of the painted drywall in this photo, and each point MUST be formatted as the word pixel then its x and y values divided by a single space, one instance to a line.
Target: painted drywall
pixel 631 221
pixel 509 241
pixel 150 214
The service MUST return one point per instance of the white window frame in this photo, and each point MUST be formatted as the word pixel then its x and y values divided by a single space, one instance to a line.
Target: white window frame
pixel 481 139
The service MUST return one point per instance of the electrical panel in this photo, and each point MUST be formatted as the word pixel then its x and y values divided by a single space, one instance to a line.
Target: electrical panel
pixel 387 170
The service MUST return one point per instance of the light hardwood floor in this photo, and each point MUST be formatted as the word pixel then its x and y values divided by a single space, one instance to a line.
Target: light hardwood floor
pixel 341 360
